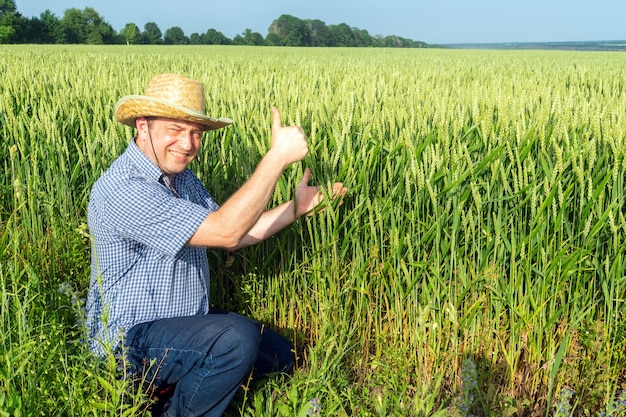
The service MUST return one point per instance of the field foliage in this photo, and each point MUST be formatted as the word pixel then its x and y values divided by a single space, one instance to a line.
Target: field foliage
pixel 477 265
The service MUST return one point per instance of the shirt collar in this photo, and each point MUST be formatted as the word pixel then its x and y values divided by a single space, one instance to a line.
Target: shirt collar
pixel 142 161
pixel 147 167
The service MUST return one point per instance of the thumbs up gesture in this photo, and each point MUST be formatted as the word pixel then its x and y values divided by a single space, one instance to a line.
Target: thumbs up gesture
pixel 289 142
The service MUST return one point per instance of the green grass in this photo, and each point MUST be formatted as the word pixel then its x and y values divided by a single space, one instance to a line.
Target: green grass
pixel 476 266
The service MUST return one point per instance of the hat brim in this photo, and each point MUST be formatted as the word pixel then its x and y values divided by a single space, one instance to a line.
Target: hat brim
pixel 129 108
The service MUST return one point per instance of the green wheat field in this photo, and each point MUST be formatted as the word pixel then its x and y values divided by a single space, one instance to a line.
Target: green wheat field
pixel 477 265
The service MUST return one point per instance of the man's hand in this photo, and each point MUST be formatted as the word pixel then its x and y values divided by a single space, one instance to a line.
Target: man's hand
pixel 310 200
pixel 288 142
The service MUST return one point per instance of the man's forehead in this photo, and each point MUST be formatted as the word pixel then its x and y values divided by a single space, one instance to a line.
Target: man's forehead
pixel 177 122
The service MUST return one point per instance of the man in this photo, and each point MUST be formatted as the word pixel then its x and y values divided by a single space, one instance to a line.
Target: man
pixel 151 220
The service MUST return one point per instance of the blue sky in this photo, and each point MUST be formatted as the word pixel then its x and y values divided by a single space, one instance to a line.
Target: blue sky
pixel 431 21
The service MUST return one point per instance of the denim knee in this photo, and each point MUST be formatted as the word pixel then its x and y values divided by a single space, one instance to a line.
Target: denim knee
pixel 276 354
pixel 242 340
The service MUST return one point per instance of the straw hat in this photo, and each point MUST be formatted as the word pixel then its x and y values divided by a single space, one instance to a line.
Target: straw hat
pixel 172 96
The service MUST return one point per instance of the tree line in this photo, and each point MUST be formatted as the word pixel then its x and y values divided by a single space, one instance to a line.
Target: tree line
pixel 87 26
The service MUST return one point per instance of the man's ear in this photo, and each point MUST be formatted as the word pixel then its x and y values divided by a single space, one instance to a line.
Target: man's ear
pixel 141 123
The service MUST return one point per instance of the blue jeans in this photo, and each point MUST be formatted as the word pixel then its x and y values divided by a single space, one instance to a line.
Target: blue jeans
pixel 207 357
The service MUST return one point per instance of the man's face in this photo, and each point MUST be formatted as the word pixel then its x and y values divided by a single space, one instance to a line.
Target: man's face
pixel 171 144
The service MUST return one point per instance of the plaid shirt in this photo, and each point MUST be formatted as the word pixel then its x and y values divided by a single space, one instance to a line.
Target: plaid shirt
pixel 141 269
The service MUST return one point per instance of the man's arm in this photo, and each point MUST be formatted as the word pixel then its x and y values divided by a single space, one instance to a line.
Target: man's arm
pixel 226 227
pixel 270 223
pixel 308 200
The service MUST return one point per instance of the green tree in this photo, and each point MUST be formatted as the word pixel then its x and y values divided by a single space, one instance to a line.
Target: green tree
pixel 248 37
pixel 7 29
pixel 341 35
pixel 7 6
pixel 362 37
pixel 35 32
pixel 290 31
pixel 320 34
pixel 74 26
pixel 394 41
pixel 151 34
pixel 130 33
pixel 197 39
pixel 98 31
pixel 86 26
pixel 213 37
pixel 272 39
pixel 50 30
pixel 175 36
pixel 9 20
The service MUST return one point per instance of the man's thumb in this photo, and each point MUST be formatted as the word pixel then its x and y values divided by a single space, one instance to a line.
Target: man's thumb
pixel 276 123
pixel 306 176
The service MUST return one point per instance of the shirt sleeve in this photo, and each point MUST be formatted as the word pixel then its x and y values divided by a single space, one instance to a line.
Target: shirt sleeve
pixel 145 211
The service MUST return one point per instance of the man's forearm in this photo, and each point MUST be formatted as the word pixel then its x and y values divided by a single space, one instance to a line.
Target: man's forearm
pixel 227 226
pixel 270 223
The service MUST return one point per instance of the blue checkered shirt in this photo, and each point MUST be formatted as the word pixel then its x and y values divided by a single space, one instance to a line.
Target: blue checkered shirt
pixel 141 268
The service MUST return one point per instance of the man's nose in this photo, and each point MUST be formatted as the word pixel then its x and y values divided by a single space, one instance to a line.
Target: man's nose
pixel 185 140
